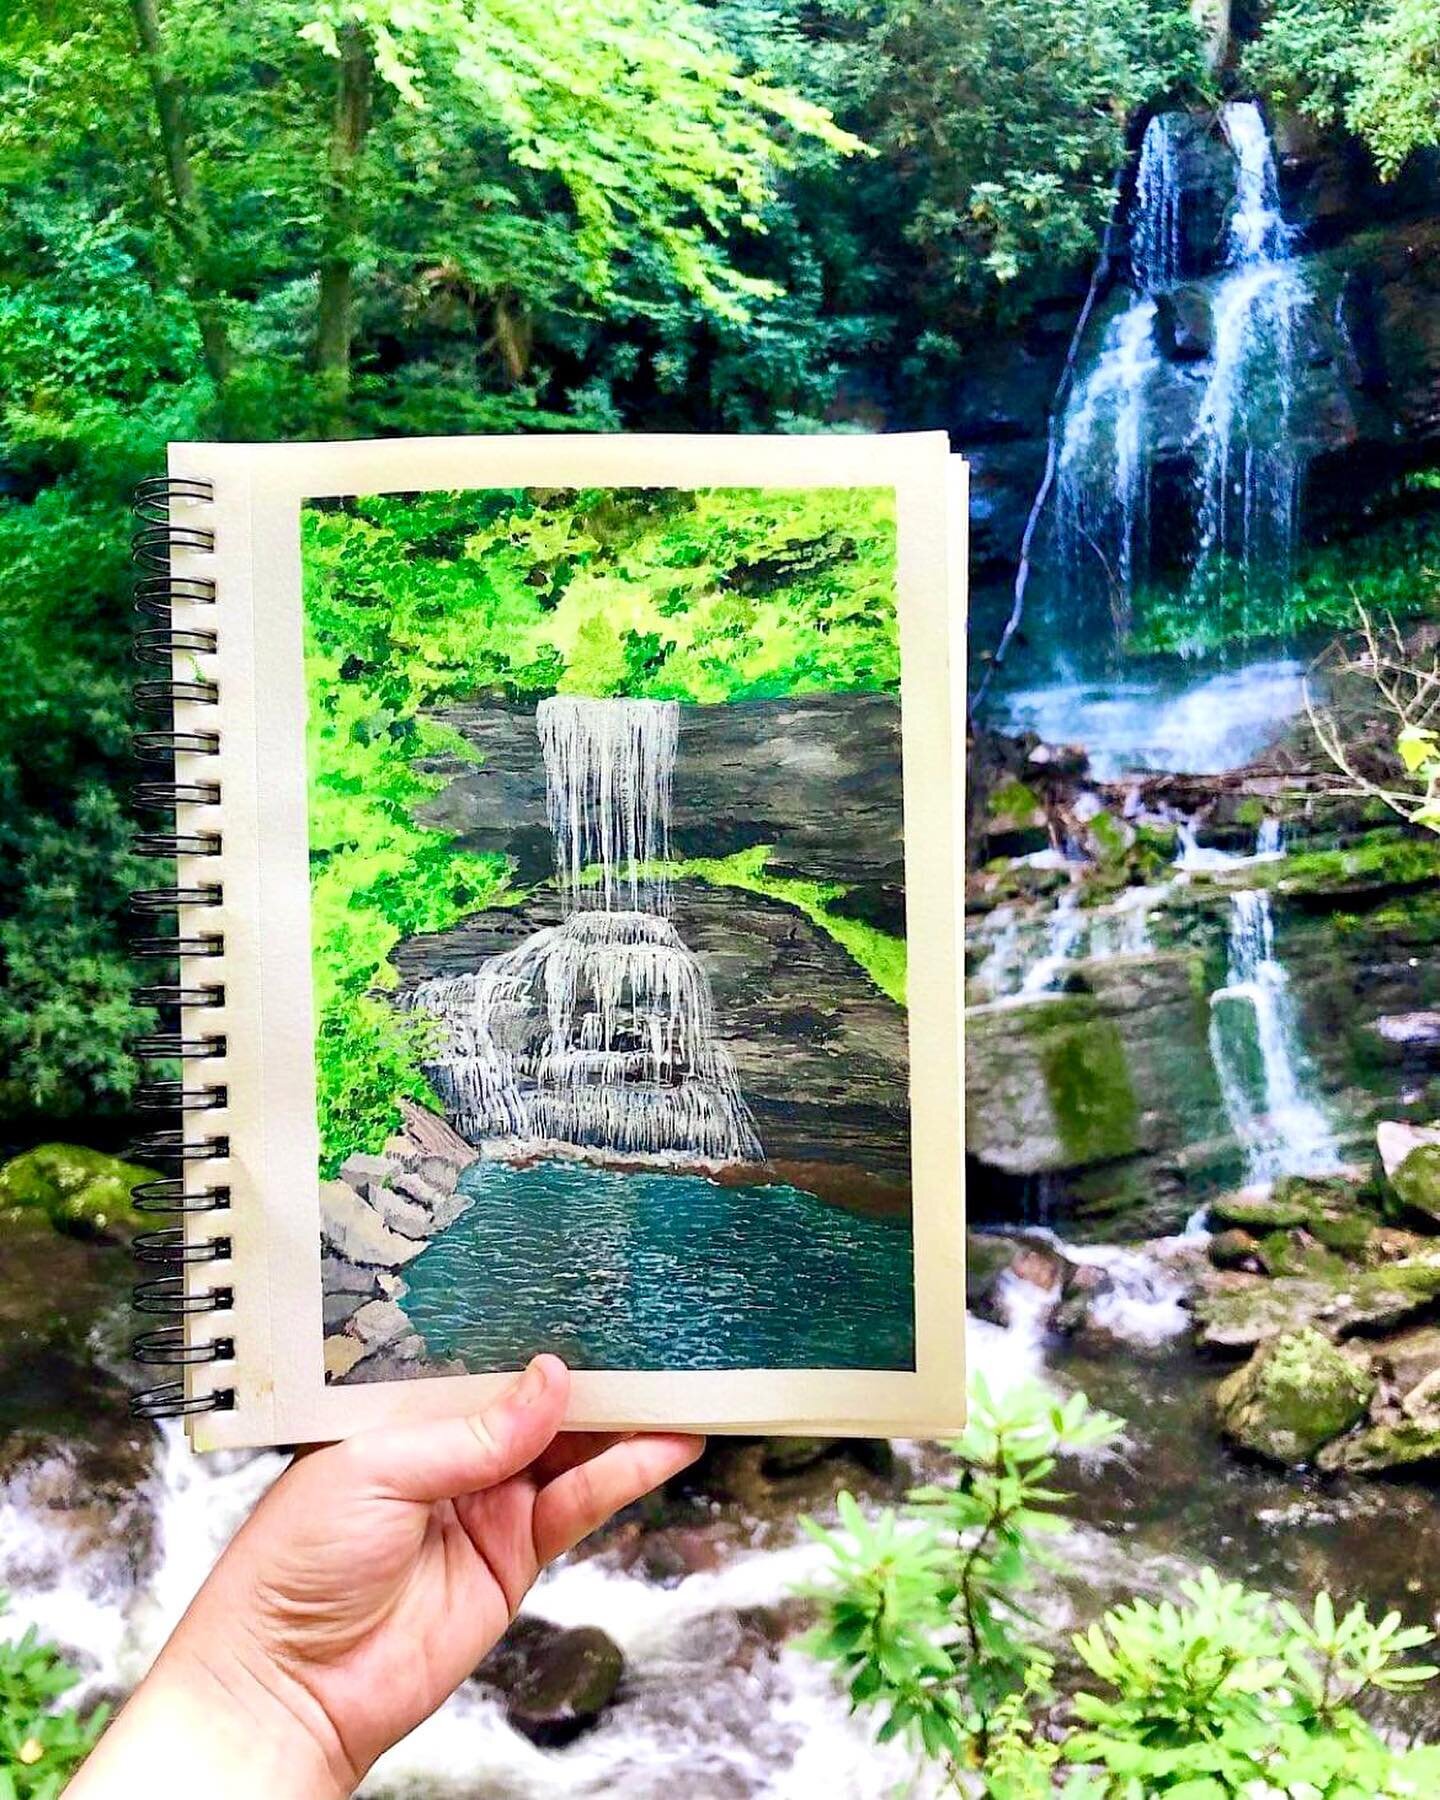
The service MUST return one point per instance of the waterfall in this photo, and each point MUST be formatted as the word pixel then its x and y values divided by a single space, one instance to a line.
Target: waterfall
pixel 1103 480
pixel 596 1034
pixel 1261 1066
pixel 1250 466
pixel 1064 932
pixel 1155 241
pixel 609 765
pixel 1026 959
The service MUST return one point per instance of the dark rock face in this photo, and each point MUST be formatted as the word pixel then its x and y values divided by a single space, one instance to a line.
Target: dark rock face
pixel 817 777
pixel 822 1055
pixel 1184 330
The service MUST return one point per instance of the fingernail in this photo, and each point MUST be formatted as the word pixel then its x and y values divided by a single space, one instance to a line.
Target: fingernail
pixel 531 1384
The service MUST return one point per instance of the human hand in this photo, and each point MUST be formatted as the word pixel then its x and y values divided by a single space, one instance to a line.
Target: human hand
pixel 364 1588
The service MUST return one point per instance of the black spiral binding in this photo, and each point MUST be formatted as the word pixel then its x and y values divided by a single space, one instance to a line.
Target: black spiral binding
pixel 171 1251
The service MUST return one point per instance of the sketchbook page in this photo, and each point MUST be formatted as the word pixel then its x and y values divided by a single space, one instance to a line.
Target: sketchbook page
pixel 671 847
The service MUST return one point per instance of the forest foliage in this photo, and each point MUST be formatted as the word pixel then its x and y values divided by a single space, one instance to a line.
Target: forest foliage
pixel 328 217
pixel 415 602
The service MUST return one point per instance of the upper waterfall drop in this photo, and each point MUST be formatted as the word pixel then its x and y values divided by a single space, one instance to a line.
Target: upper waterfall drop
pixel 1156 244
pixel 609 768
pixel 1250 464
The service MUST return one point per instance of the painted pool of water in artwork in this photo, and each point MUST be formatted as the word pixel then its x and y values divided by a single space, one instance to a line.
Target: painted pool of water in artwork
pixel 661 1270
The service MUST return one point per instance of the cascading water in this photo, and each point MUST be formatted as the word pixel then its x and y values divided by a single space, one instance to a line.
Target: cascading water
pixel 596 1034
pixel 1261 1066
pixel 1103 481
pixel 1174 465
pixel 1102 494
pixel 1155 235
pixel 1250 462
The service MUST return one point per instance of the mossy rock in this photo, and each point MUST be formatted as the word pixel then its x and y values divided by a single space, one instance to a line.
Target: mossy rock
pixel 1107 837
pixel 1397 1445
pixel 1014 803
pixel 1320 1193
pixel 1235 1249
pixel 1234 1311
pixel 1297 1393
pixel 1417 1181
pixel 81 1191
pixel 1259 1212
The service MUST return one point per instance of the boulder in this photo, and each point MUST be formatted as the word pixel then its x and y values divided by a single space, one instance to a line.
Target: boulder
pixel 341 1355
pixel 378 1323
pixel 428 1134
pixel 365 1173
pixel 556 1682
pixel 1410 1359
pixel 78 1190
pixel 1235 1249
pixel 1295 1394
pixel 1237 1311
pixel 442 1205
pixel 397 1213
pixel 1410 1030
pixel 353 1230
pixel 1417 1180
pixel 1390 1446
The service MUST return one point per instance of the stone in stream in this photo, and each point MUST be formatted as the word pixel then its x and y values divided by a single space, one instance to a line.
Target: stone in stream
pixel 1234 1248
pixel 1295 1394
pixel 1184 329
pixel 1416 1178
pixel 556 1682
pixel 1238 1311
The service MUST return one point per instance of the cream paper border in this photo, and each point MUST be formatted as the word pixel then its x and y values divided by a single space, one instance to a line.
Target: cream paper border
pixel 270 1119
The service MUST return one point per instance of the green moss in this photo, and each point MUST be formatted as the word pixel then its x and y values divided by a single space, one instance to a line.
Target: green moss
pixel 1249 811
pixel 877 952
pixel 1108 836
pixel 78 1190
pixel 1013 800
pixel 1296 1393
pixel 1391 858
pixel 1417 1180
pixel 1394 1446
pixel 1092 1098
pixel 1260 1212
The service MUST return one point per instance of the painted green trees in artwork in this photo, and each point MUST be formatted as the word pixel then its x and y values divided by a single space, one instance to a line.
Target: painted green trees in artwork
pixel 416 601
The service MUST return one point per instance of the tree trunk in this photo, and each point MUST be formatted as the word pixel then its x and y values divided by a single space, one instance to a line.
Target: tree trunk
pixel 336 323
pixel 187 213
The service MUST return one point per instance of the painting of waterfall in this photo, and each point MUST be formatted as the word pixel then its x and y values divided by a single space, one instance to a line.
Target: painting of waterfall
pixel 614 779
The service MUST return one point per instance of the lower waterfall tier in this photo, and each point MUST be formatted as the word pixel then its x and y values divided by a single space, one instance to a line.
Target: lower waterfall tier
pixel 597 1033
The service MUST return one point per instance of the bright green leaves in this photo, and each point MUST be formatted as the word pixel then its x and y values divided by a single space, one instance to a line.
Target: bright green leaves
pixel 41 1745
pixel 922 1614
pixel 648 123
pixel 1219 1694
pixel 1375 64
pixel 1230 1693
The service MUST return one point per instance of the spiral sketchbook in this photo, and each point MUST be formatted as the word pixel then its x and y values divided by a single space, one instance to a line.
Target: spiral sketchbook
pixel 567 844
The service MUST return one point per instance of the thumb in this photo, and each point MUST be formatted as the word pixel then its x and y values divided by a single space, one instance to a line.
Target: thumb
pixel 444 1458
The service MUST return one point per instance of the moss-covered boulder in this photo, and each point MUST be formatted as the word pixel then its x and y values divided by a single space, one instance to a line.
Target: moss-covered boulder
pixel 1236 1249
pixel 1297 1393
pixel 1252 1211
pixel 1416 1181
pixel 81 1191
pixel 1396 1444
pixel 1235 1311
